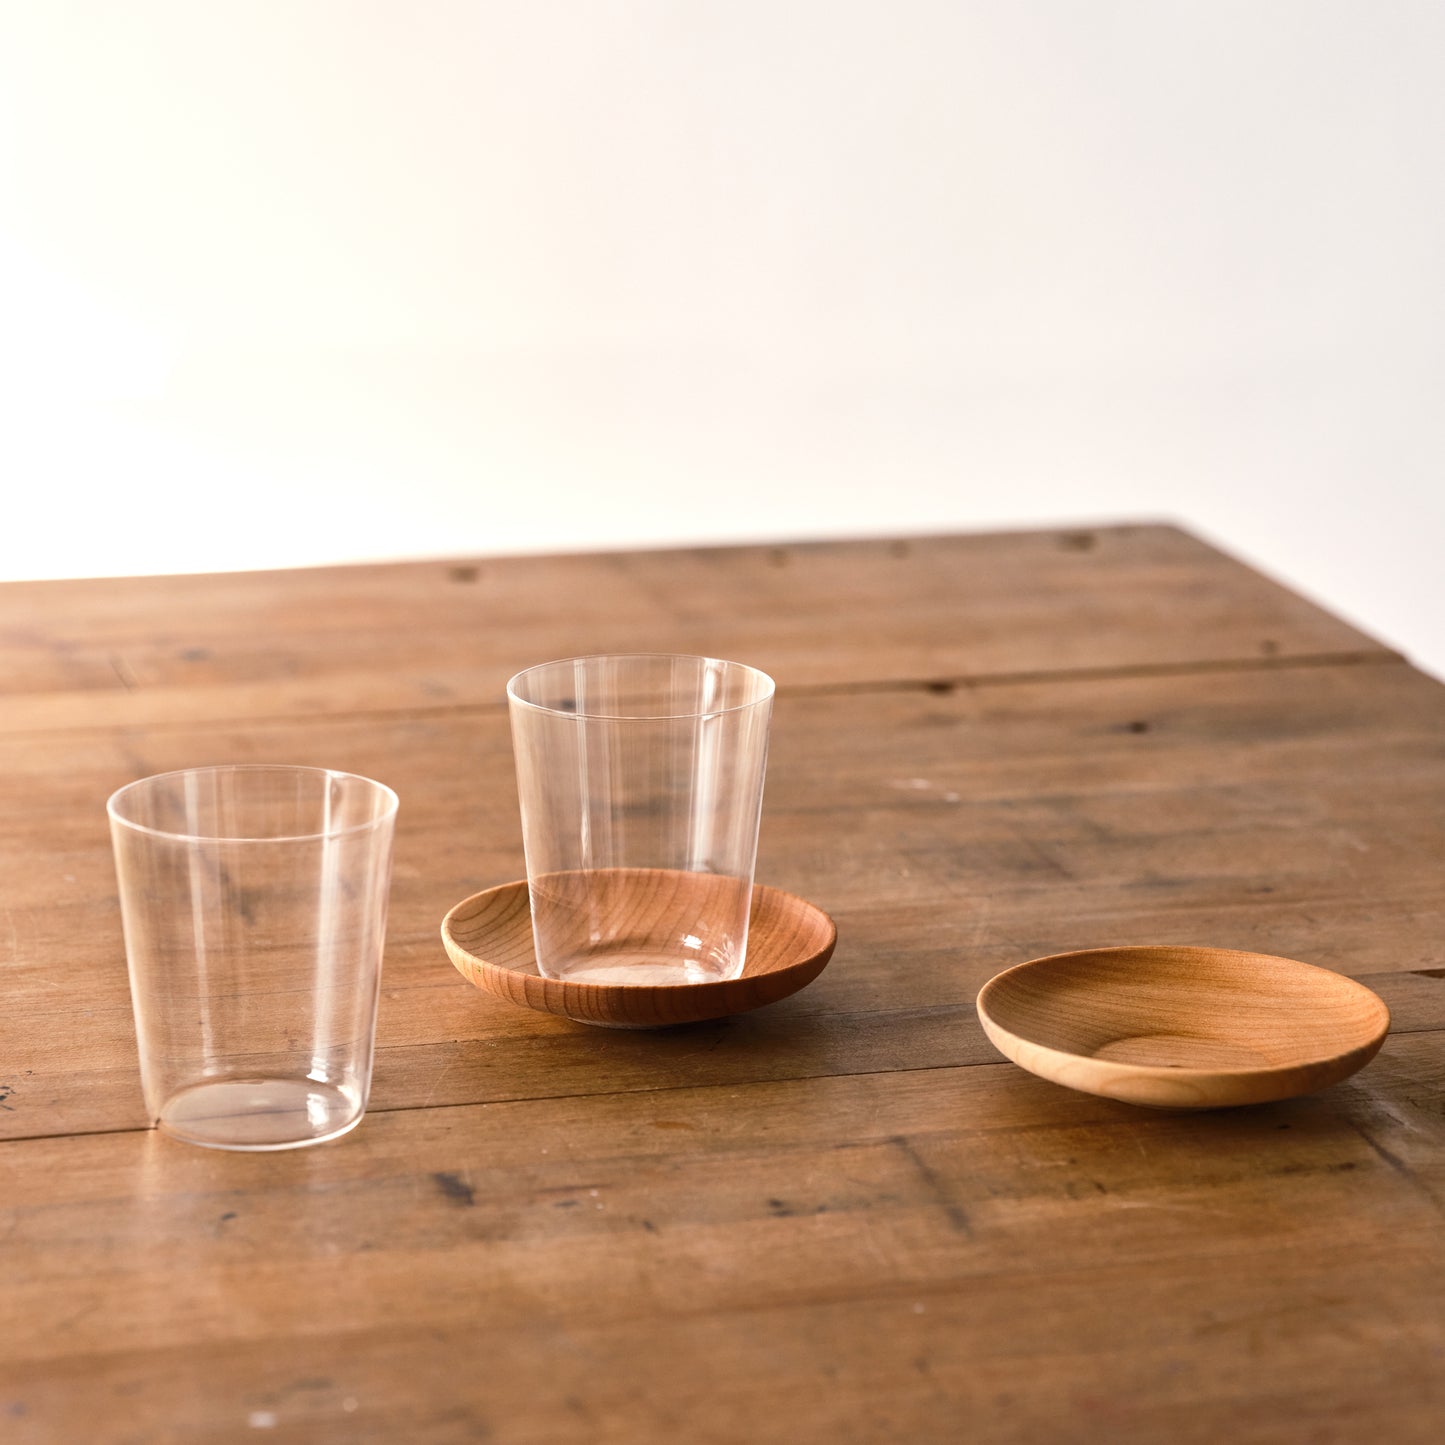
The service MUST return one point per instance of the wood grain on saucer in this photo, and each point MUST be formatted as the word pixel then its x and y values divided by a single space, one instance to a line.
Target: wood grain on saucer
pixel 488 937
pixel 1183 1028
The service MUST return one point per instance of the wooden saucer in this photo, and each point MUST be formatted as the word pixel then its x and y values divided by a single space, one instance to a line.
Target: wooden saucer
pixel 1183 1028
pixel 489 938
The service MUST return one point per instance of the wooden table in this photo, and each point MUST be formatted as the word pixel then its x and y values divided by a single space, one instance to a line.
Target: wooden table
pixel 842 1218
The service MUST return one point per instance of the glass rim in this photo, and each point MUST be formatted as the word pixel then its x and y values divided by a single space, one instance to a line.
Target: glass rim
pixel 765 694
pixel 114 802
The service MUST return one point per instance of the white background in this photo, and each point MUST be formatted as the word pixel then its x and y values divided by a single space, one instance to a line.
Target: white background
pixel 287 283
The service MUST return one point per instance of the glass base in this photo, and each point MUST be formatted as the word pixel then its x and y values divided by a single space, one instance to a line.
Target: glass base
pixel 260 1114
pixel 639 927
pixel 653 969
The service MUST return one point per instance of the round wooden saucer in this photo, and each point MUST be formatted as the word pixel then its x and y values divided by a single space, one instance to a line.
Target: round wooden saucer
pixel 1183 1028
pixel 489 938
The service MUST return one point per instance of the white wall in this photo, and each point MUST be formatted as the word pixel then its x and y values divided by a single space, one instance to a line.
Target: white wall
pixel 306 282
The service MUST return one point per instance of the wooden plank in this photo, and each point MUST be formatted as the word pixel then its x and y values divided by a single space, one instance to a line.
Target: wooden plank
pixel 873 1257
pixel 1298 811
pixel 333 641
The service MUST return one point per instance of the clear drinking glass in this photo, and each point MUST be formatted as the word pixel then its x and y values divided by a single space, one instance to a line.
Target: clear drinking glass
pixel 641 787
pixel 253 900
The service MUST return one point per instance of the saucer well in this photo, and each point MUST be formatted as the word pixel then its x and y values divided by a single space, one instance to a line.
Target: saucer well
pixel 1182 1028
pixel 488 937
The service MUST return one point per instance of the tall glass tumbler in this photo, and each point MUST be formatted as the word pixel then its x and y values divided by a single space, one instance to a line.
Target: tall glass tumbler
pixel 253 900
pixel 641 787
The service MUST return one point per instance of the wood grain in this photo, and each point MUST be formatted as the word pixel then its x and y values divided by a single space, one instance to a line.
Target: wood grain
pixel 860 1258
pixel 488 938
pixel 434 635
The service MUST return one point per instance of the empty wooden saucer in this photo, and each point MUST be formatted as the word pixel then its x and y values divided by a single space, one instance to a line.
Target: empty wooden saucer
pixel 1183 1028
pixel 489 938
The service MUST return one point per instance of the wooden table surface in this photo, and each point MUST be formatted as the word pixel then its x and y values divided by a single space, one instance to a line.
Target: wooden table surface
pixel 842 1218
